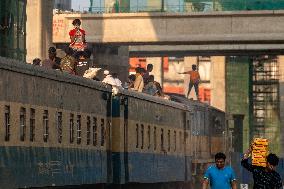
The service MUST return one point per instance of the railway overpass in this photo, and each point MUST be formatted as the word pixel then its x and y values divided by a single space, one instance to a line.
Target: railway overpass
pixel 216 31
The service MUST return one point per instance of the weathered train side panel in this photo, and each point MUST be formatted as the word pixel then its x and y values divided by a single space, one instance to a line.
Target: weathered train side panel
pixel 155 140
pixel 55 128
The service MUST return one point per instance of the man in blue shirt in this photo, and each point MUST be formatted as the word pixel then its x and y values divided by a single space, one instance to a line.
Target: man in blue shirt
pixel 220 176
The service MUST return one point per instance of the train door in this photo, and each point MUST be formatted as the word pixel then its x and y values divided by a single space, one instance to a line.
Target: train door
pixel 187 138
pixel 108 133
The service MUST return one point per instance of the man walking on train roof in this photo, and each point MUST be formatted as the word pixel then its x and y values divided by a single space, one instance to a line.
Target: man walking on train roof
pixel 219 176
pixel 263 177
pixel 194 80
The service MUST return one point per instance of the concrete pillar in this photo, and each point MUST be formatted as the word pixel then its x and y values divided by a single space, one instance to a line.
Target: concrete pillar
pixel 188 61
pixel 113 58
pixel 281 105
pixel 217 80
pixel 39 28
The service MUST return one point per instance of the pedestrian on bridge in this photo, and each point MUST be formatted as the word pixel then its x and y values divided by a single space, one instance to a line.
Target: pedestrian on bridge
pixel 194 80
pixel 219 176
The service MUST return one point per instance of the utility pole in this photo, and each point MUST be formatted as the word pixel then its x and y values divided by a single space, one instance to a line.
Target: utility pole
pixel 163 6
pixel 91 5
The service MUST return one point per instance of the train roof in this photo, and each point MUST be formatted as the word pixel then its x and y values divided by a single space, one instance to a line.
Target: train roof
pixel 38 71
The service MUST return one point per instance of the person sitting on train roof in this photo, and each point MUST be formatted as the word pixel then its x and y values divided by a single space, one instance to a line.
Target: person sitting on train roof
pixel 151 87
pixel 91 73
pixel 147 73
pixel 130 82
pixel 68 62
pixel 108 79
pixel 84 62
pixel 53 62
pixel 118 83
pixel 36 62
pixel 138 83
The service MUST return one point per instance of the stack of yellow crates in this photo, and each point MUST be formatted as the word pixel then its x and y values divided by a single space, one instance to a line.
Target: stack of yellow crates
pixel 259 151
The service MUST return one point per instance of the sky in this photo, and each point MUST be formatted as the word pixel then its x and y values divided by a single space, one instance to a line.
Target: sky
pixel 80 5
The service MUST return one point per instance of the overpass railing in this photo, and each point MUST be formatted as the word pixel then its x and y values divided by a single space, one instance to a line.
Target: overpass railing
pixel 189 6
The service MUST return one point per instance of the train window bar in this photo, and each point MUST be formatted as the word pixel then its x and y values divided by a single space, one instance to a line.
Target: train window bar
pixel 79 129
pixel 45 126
pixel 7 123
pixel 88 130
pixel 149 136
pixel 59 126
pixel 137 135
pixel 22 124
pixel 162 139
pixel 180 142
pixel 155 138
pixel 95 133
pixel 71 128
pixel 175 140
pixel 102 132
pixel 32 124
pixel 142 136
pixel 169 140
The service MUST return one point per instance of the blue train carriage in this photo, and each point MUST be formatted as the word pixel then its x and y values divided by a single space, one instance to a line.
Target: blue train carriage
pixel 150 140
pixel 55 128
pixel 207 136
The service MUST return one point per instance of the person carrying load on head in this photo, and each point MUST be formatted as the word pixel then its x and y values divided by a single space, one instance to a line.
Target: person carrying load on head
pixel 263 166
pixel 77 37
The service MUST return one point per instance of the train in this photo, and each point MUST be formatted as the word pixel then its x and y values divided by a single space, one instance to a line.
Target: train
pixel 64 131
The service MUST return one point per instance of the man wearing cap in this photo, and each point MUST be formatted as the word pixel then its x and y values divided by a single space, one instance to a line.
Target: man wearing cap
pixel 108 79
pixel 53 62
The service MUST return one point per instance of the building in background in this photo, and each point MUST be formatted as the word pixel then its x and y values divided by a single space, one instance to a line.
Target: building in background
pixel 13 29
pixel 62 4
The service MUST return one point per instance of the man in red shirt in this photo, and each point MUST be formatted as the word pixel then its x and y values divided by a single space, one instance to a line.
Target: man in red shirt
pixel 77 36
pixel 194 80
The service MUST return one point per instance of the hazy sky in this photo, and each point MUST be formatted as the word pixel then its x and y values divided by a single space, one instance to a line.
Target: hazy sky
pixel 81 4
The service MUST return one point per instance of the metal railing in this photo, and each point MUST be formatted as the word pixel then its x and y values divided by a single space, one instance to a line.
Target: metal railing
pixel 191 6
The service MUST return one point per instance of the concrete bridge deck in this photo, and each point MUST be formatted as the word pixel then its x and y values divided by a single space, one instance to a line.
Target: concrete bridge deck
pixel 217 28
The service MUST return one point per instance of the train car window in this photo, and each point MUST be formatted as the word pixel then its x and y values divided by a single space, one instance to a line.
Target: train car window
pixel 169 140
pixel 7 123
pixel 45 126
pixel 155 138
pixel 175 140
pixel 22 124
pixel 88 130
pixel 180 140
pixel 71 128
pixel 59 127
pixel 95 133
pixel 162 139
pixel 137 135
pixel 149 136
pixel 142 136
pixel 79 129
pixel 102 132
pixel 32 124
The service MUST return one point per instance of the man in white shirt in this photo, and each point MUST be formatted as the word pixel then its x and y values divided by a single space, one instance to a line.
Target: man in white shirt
pixel 108 78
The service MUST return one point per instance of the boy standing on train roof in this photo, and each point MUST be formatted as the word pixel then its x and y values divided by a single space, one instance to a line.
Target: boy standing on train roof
pixel 219 176
pixel 77 36
pixel 194 80
pixel 263 177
